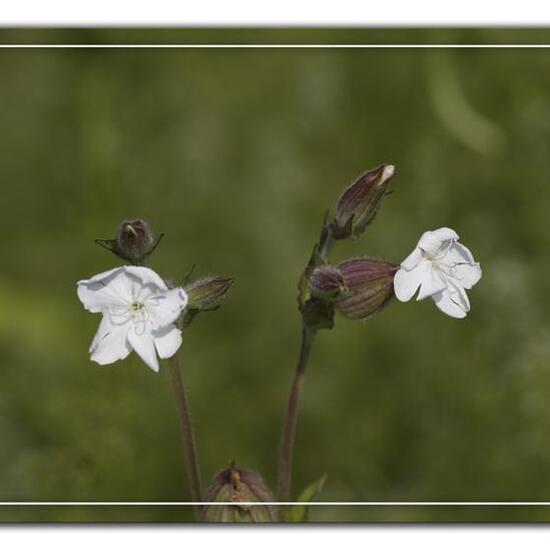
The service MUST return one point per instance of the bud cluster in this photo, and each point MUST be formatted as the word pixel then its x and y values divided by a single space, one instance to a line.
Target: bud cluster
pixel 358 287
pixel 135 241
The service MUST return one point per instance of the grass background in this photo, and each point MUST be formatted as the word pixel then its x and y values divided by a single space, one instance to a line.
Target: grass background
pixel 235 155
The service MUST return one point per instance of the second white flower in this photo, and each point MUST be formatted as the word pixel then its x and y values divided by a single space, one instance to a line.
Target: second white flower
pixel 443 269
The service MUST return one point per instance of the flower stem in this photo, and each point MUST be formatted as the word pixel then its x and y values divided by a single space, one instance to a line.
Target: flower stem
pixel 188 437
pixel 291 418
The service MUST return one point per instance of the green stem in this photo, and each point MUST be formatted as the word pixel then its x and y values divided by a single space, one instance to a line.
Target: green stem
pixel 325 243
pixel 188 437
pixel 291 418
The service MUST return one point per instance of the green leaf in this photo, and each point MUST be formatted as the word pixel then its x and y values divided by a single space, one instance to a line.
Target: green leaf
pixel 300 513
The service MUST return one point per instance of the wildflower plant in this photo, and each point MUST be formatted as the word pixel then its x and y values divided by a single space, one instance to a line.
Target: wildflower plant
pixel 144 313
pixel 360 287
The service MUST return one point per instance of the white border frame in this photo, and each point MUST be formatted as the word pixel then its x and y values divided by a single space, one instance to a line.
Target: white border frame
pixel 275 46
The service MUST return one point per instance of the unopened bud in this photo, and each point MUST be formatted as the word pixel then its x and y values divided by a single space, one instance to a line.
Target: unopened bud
pixel 238 487
pixel 326 282
pixel 360 202
pixel 134 242
pixel 206 293
pixel 370 286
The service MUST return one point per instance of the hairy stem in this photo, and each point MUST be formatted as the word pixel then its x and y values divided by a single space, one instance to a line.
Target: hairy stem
pixel 188 437
pixel 291 418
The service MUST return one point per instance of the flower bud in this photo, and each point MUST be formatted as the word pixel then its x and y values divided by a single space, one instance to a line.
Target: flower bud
pixel 326 282
pixel 134 242
pixel 206 293
pixel 236 485
pixel 360 202
pixel 370 286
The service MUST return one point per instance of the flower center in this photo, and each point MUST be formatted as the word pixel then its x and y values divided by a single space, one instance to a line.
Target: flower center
pixel 139 316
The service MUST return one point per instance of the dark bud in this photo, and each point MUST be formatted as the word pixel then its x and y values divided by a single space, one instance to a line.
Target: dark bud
pixel 205 295
pixel 326 282
pixel 238 487
pixel 360 202
pixel 369 284
pixel 134 242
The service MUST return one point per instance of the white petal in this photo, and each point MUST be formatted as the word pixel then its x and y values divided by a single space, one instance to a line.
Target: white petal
pixel 101 276
pixel 167 341
pixel 144 346
pixel 412 260
pixel 467 275
pixel 459 296
pixel 459 254
pixel 149 282
pixel 104 328
pixel 165 308
pixel 432 241
pixel 444 303
pixel 108 289
pixel 445 234
pixel 406 283
pixel 433 282
pixel 110 343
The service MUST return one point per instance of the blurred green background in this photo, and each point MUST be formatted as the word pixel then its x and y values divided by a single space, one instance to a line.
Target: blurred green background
pixel 235 155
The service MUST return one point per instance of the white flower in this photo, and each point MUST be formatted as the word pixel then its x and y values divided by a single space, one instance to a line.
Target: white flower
pixel 443 269
pixel 139 312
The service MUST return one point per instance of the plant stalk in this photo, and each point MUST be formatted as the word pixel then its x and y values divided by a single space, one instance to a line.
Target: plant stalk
pixel 291 418
pixel 187 435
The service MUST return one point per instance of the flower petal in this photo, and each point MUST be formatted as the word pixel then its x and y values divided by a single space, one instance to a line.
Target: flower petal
pixel 445 234
pixel 406 283
pixel 165 308
pixel 108 289
pixel 412 260
pixel 104 328
pixel 144 346
pixel 146 280
pixel 467 275
pixel 432 241
pixel 458 253
pixel 167 341
pixel 110 343
pixel 432 283
pixel 445 304
pixel 459 296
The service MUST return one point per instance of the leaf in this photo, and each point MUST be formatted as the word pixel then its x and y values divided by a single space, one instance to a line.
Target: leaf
pixel 300 513
pixel 318 314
